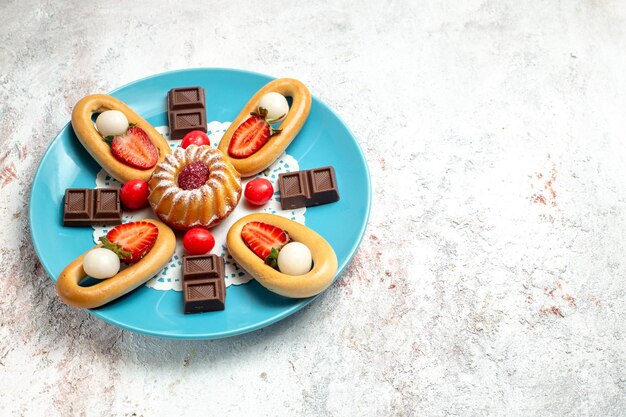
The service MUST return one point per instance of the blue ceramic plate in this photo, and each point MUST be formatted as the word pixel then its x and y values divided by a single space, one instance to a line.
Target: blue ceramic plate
pixel 324 140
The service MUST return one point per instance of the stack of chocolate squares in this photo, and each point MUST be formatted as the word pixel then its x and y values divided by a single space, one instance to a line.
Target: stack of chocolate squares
pixel 186 111
pixel 203 283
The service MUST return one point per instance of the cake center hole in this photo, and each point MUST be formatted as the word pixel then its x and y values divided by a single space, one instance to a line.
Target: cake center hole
pixel 193 176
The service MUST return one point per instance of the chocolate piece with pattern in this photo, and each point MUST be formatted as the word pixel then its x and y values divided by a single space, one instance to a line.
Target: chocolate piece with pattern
pixel 204 288
pixel 308 188
pixel 186 111
pixel 86 207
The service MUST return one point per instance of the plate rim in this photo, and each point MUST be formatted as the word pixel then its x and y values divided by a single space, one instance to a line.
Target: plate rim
pixel 240 330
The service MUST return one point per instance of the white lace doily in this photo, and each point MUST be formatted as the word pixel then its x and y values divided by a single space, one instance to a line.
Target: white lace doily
pixel 170 278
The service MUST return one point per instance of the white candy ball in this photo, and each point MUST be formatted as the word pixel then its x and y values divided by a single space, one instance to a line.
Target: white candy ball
pixel 294 259
pixel 101 263
pixel 111 123
pixel 276 105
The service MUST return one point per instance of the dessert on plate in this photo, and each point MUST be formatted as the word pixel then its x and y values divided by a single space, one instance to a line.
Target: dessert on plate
pixel 284 256
pixel 121 141
pixel 254 140
pixel 194 187
pixel 146 246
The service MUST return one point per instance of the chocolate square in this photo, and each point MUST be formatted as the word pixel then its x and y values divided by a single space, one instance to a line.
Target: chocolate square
pixel 107 205
pixel 293 188
pixel 186 98
pixel 184 121
pixel 77 206
pixel 323 186
pixel 202 295
pixel 203 266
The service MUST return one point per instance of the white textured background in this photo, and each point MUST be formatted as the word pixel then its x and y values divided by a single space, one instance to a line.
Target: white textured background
pixel 491 277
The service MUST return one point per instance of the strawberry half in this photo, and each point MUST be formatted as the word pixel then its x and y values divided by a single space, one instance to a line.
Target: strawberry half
pixel 134 148
pixel 131 241
pixel 261 238
pixel 251 135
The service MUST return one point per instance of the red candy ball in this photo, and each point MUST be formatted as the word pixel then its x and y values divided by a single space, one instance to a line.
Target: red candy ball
pixel 258 191
pixel 195 137
pixel 134 194
pixel 198 241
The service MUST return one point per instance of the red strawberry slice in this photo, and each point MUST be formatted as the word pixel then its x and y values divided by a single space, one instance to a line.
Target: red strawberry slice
pixel 134 148
pixel 131 241
pixel 262 237
pixel 251 135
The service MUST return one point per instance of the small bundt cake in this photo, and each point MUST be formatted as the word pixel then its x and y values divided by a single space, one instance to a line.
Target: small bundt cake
pixel 194 187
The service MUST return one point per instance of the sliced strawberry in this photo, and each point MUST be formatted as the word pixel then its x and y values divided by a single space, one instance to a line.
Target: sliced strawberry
pixel 131 241
pixel 261 238
pixel 251 135
pixel 134 148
